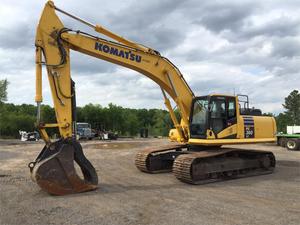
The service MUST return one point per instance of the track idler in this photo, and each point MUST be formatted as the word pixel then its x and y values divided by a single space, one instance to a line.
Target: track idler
pixel 54 170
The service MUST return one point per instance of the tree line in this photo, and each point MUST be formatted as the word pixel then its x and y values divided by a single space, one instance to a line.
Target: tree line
pixel 125 121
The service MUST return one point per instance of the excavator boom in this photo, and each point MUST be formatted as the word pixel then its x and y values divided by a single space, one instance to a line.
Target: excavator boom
pixel 55 42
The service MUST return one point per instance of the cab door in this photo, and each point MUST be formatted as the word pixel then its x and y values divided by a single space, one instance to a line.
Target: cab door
pixel 222 115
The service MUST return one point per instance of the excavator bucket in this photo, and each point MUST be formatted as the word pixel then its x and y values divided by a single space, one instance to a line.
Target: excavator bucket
pixel 54 170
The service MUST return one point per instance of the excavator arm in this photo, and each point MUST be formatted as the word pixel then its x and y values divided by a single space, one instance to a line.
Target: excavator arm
pixel 53 169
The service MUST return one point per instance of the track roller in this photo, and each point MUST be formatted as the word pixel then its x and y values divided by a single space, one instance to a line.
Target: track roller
pixel 159 159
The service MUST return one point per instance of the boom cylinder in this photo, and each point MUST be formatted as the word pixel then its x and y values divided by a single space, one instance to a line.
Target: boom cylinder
pixel 120 39
pixel 38 77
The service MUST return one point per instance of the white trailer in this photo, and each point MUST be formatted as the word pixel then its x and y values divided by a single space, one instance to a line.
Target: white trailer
pixel 293 129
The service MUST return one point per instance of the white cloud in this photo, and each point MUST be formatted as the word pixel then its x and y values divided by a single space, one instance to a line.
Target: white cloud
pixel 225 47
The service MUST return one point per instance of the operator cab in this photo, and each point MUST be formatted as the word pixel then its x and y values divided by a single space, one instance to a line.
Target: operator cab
pixel 213 112
pixel 218 112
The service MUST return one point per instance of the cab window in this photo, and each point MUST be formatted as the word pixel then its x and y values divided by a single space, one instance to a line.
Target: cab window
pixel 218 109
pixel 231 109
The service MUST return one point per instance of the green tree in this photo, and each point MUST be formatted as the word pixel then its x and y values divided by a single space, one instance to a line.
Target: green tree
pixel 144 118
pixel 282 120
pixel 131 121
pixel 3 90
pixel 13 119
pixel 116 118
pixel 90 113
pixel 48 114
pixel 160 127
pixel 292 106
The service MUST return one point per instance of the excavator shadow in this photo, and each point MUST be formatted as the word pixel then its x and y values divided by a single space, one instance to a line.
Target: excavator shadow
pixel 110 188
pixel 120 188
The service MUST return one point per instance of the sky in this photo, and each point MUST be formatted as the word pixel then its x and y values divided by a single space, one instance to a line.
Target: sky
pixel 231 47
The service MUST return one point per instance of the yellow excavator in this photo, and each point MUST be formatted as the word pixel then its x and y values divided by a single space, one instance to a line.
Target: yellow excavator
pixel 207 122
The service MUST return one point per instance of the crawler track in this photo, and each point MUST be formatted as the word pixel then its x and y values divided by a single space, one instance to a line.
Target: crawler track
pixel 159 159
pixel 210 166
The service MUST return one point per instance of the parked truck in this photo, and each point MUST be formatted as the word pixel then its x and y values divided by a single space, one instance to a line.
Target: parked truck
pixel 29 136
pixel 84 131
pixel 290 140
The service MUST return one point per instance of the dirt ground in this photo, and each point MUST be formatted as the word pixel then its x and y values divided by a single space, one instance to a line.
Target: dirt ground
pixel 127 196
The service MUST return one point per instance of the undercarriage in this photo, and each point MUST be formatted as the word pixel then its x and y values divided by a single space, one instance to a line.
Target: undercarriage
pixel 194 165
